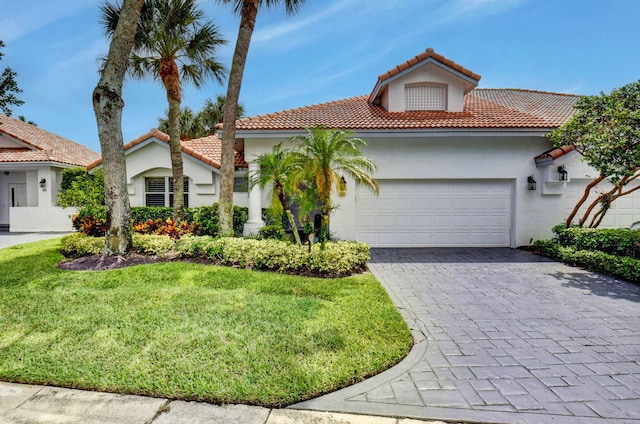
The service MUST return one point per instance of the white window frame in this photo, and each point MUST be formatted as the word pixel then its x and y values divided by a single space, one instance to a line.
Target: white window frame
pixel 166 192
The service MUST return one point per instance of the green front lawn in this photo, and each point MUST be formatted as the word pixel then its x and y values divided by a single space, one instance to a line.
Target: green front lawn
pixel 191 331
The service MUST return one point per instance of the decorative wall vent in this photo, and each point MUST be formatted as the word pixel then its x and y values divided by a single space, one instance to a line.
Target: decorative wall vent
pixel 425 97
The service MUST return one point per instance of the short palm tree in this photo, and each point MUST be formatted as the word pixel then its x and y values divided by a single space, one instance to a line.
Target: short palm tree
pixel 322 156
pixel 173 44
pixel 276 168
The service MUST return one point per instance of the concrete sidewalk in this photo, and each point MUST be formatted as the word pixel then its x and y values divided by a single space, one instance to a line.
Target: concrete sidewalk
pixel 20 403
pixel 8 239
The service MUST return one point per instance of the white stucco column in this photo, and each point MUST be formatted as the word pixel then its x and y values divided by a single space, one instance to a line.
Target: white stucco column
pixel 255 222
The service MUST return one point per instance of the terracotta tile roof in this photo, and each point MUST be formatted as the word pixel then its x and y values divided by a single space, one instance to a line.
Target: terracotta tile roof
pixel 41 145
pixel 555 153
pixel 429 53
pixel 206 149
pixel 483 109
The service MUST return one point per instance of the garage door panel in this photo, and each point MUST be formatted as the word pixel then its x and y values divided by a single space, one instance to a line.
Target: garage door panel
pixel 435 213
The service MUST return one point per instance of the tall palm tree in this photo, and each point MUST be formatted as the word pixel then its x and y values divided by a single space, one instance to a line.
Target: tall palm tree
pixel 322 156
pixel 107 105
pixel 174 44
pixel 276 168
pixel 248 11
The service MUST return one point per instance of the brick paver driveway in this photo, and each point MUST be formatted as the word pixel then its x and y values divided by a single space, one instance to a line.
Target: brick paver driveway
pixel 504 336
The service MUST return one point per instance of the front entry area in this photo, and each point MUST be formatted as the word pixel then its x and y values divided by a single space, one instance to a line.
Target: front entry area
pixel 434 213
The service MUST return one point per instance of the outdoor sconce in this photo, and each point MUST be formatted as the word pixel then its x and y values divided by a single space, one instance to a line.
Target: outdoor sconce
pixel 531 183
pixel 562 173
pixel 43 183
pixel 342 187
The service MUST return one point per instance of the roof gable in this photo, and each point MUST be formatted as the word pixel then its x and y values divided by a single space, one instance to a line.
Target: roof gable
pixel 24 142
pixel 427 67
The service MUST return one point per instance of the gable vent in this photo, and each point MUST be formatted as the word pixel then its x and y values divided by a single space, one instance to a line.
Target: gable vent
pixel 425 97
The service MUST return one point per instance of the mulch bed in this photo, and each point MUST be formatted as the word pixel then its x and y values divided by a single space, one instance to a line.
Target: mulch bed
pixel 102 262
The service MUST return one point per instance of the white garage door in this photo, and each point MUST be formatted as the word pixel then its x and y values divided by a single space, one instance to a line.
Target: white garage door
pixel 411 213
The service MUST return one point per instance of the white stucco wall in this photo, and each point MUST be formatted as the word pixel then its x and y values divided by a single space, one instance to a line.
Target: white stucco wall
pixel 42 218
pixel 492 156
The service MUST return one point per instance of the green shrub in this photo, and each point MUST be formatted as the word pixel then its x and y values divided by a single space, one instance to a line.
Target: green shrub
pixel 618 266
pixel 619 241
pixel 79 188
pixel 335 260
pixel 149 244
pixel 80 244
pixel 273 232
pixel 207 219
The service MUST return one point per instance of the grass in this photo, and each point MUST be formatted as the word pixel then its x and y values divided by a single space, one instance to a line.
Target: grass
pixel 191 331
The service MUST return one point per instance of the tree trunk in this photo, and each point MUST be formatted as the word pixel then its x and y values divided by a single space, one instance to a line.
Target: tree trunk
pixel 287 210
pixel 107 105
pixel 583 199
pixel 249 13
pixel 171 80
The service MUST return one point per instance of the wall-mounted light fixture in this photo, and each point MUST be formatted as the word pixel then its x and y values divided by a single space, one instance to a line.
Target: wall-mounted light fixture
pixel 7 172
pixel 531 183
pixel 43 183
pixel 563 175
pixel 342 187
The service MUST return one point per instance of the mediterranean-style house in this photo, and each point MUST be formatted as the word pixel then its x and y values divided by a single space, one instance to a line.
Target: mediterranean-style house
pixel 31 161
pixel 457 165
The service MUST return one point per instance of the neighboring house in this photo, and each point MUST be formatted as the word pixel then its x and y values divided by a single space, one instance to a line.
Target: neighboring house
pixel 149 175
pixel 31 162
pixel 454 161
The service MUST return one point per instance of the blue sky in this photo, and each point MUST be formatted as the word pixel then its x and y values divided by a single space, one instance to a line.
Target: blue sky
pixel 332 49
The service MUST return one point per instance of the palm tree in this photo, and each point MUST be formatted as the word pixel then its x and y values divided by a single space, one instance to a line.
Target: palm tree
pixel 276 168
pixel 191 125
pixel 248 11
pixel 173 44
pixel 107 105
pixel 322 156
pixel 213 113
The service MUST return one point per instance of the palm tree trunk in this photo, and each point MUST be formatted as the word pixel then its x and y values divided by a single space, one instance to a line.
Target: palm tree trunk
pixel 249 13
pixel 107 105
pixel 287 210
pixel 171 80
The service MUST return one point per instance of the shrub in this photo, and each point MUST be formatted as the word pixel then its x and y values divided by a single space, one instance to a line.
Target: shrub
pixel 190 246
pixel 273 232
pixel 79 244
pixel 335 260
pixel 207 219
pixel 79 188
pixel 167 227
pixel 148 244
pixel 618 266
pixel 91 220
pixel 620 242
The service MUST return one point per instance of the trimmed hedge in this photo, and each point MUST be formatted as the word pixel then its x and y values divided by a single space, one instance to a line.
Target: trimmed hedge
pixel 618 266
pixel 619 241
pixel 337 259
